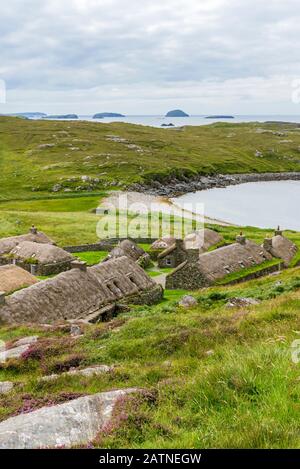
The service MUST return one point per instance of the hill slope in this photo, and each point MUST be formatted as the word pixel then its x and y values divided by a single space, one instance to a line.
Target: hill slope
pixel 39 157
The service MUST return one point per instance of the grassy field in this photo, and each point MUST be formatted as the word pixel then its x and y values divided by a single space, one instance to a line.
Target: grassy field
pixel 37 156
pixel 215 376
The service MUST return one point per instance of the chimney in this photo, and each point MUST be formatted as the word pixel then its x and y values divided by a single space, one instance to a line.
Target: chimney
pixel 268 244
pixel 192 255
pixel 77 264
pixel 33 230
pixel 241 238
pixel 2 298
pixel 179 244
pixel 278 232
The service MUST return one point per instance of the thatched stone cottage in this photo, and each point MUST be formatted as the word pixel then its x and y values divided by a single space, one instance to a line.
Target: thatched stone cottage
pixel 14 278
pixel 131 250
pixel 89 293
pixel 41 259
pixel 177 252
pixel 202 239
pixel 160 245
pixel 281 247
pixel 195 273
pixel 173 256
pixel 35 236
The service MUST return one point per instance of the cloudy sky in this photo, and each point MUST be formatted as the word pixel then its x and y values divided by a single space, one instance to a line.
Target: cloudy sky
pixel 149 56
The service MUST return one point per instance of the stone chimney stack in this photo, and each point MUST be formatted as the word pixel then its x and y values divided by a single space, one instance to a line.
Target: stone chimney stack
pixel 268 244
pixel 241 238
pixel 179 243
pixel 77 264
pixel 33 230
pixel 192 255
pixel 278 232
pixel 2 298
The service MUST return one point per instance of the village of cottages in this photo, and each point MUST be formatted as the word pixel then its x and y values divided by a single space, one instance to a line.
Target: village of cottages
pixel 43 283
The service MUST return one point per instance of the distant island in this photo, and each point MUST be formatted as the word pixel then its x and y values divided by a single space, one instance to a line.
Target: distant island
pixel 177 113
pixel 167 125
pixel 219 117
pixel 64 116
pixel 101 115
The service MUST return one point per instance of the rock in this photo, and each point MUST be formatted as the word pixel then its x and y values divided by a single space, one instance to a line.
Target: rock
pixel 75 330
pixel 15 352
pixel 6 387
pixel 43 146
pixel 188 301
pixel 259 154
pixel 101 115
pixel 241 302
pixel 91 371
pixel 209 353
pixel 56 188
pixel 26 340
pixel 76 422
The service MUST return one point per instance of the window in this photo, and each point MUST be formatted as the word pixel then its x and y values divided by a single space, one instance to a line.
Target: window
pixel 168 262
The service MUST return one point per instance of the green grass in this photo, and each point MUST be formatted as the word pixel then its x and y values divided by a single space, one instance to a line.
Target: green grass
pixel 86 149
pixel 92 257
pixel 216 377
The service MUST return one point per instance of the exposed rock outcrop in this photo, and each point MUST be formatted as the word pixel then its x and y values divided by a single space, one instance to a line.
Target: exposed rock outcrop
pixel 76 422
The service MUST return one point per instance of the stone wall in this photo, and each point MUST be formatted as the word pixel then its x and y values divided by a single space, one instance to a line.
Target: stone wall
pixel 187 277
pixel 174 258
pixel 105 245
pixel 39 269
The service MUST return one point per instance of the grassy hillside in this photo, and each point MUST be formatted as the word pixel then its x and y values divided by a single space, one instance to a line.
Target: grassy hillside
pixel 215 376
pixel 37 156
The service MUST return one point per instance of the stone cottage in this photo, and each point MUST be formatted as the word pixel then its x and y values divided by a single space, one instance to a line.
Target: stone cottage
pixel 160 245
pixel 14 278
pixel 89 293
pixel 130 249
pixel 281 247
pixel 173 256
pixel 202 240
pixel 35 236
pixel 40 259
pixel 205 270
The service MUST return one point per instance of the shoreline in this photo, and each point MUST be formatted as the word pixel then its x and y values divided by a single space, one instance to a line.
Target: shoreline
pixel 174 187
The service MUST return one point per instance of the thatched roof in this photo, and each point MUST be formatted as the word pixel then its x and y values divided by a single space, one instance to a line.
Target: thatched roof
pixel 76 293
pixel 225 260
pixel 7 244
pixel 163 243
pixel 202 239
pixel 41 253
pixel 13 278
pixel 283 248
pixel 126 248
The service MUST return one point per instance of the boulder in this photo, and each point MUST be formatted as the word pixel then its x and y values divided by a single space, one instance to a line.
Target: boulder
pixel 26 340
pixel 188 301
pixel 91 371
pixel 6 387
pixel 241 302
pixel 65 425
pixel 15 352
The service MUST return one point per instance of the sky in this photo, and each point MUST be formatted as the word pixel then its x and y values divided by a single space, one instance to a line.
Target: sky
pixel 149 56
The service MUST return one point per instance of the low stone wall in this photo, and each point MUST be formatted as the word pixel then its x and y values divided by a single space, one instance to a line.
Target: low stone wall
pixel 40 269
pixel 106 244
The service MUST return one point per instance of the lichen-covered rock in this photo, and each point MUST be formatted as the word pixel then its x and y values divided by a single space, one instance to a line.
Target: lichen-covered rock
pixel 241 302
pixel 76 422
pixel 15 352
pixel 91 371
pixel 26 340
pixel 6 387
pixel 187 301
